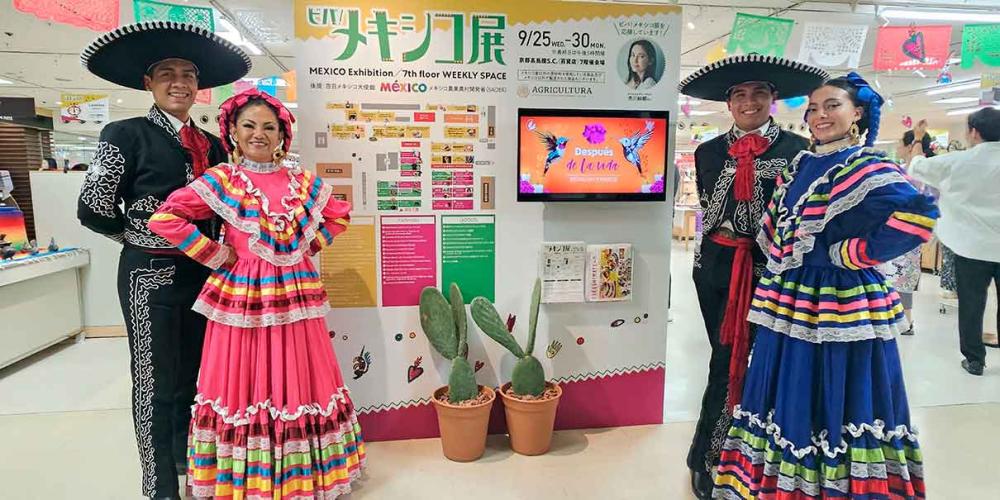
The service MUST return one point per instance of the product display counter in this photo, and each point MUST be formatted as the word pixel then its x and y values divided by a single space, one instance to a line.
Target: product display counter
pixel 40 302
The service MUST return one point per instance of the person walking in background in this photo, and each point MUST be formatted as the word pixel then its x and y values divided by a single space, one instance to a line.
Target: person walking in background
pixel 970 223
pixel 903 273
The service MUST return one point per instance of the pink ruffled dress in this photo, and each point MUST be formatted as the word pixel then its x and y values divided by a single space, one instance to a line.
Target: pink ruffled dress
pixel 272 417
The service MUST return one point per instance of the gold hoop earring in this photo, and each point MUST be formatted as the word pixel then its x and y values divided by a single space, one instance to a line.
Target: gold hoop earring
pixel 279 152
pixel 855 132
pixel 236 156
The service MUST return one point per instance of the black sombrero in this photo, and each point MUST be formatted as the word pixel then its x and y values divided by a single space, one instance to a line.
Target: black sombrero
pixel 789 78
pixel 124 55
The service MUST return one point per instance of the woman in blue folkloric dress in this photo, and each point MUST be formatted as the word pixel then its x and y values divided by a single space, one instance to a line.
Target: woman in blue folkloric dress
pixel 824 411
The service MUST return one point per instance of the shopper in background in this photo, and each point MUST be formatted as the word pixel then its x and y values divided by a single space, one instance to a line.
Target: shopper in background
pixel 49 164
pixel 824 411
pixel 735 177
pixel 267 350
pixel 139 162
pixel 903 273
pixel 970 223
pixel 919 133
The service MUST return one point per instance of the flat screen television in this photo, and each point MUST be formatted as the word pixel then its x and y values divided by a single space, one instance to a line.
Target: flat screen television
pixel 591 155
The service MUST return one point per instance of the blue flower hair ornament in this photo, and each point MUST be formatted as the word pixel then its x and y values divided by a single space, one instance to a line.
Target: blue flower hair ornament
pixel 872 102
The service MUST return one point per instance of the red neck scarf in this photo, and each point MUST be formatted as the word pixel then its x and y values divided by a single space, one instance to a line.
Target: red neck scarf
pixel 197 146
pixel 746 149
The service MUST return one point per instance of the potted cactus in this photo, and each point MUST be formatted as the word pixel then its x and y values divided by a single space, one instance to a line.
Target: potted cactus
pixel 463 407
pixel 529 401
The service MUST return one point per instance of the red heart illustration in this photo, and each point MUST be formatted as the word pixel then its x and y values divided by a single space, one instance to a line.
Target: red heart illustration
pixel 914 47
pixel 415 370
pixel 479 365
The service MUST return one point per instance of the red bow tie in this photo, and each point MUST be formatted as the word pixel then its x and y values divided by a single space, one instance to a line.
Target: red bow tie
pixel 197 145
pixel 746 149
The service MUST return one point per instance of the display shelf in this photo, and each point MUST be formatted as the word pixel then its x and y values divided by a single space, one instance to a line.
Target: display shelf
pixel 40 302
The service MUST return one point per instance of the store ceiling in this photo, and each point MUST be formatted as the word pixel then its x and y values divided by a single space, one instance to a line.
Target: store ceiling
pixel 41 59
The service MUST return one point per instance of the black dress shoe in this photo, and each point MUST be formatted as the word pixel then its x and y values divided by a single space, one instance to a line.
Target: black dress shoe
pixel 973 368
pixel 701 485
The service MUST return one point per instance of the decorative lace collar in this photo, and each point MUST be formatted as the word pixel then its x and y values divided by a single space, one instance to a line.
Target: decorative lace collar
pixel 259 167
pixel 834 146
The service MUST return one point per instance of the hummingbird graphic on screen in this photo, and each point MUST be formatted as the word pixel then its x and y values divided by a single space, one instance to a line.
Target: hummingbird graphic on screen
pixel 556 147
pixel 632 144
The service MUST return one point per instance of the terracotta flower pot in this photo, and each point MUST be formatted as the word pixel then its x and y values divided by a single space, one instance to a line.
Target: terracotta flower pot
pixel 530 423
pixel 463 428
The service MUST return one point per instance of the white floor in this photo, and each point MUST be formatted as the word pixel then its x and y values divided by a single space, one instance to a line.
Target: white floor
pixel 67 433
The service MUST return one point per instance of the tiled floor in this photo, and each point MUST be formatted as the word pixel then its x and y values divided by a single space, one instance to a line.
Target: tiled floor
pixel 67 432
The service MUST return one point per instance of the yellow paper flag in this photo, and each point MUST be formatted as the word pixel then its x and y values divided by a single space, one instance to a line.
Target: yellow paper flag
pixel 717 52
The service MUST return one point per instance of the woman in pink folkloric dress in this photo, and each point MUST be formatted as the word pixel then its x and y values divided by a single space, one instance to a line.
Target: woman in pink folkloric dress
pixel 272 418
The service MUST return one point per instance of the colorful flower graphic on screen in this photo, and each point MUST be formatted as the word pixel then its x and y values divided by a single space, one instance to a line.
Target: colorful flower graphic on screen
pixel 594 133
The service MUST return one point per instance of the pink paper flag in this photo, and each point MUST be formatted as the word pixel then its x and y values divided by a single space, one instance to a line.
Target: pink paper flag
pixel 97 15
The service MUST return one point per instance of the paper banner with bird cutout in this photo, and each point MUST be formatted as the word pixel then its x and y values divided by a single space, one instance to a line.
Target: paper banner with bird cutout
pixel 981 42
pixel 759 34
pixel 912 47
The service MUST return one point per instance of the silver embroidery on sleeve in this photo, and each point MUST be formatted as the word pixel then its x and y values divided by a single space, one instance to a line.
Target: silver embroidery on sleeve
pixel 100 188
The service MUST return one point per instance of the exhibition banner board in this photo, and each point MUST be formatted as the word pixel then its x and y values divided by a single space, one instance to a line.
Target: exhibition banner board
pixel 912 47
pixel 409 109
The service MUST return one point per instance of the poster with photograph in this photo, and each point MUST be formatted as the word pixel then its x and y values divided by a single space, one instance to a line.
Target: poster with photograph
pixel 609 277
